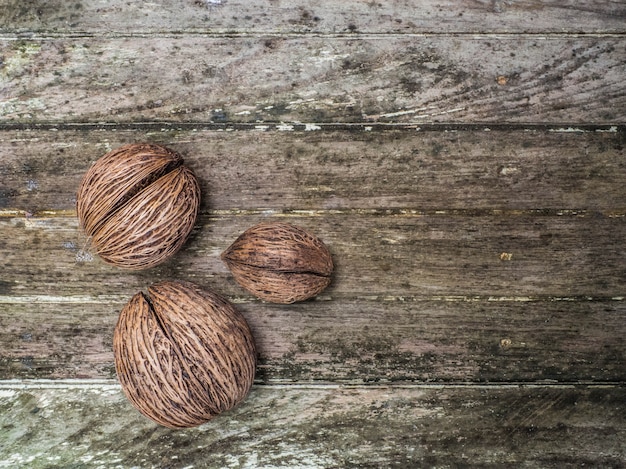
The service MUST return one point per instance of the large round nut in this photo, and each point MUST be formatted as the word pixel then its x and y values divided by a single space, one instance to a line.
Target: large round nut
pixel 182 354
pixel 138 205
pixel 279 262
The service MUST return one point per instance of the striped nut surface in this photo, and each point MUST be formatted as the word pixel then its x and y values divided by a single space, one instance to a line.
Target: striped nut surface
pixel 279 262
pixel 138 205
pixel 182 354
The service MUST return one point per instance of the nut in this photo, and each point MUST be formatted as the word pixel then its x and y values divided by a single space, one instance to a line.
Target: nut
pixel 182 354
pixel 138 205
pixel 279 262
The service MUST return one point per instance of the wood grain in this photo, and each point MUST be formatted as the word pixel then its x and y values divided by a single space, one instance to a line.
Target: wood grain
pixel 352 341
pixel 464 162
pixel 295 426
pixel 320 17
pixel 462 250
pixel 376 255
pixel 529 168
pixel 483 79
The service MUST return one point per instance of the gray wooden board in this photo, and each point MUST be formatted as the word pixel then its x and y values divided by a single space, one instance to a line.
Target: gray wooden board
pixel 350 341
pixel 321 17
pixel 429 259
pixel 464 161
pixel 91 425
pixel 375 255
pixel 495 79
pixel 473 168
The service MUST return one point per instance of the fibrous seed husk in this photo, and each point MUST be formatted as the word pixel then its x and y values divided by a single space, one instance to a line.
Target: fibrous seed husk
pixel 183 354
pixel 279 262
pixel 138 205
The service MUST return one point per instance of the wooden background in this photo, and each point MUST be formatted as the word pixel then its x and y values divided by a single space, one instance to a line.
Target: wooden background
pixel 464 161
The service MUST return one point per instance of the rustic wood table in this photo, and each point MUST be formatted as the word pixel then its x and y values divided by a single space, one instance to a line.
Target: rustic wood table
pixel 464 161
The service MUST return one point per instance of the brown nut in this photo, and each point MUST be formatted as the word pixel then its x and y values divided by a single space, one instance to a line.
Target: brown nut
pixel 138 205
pixel 182 354
pixel 279 262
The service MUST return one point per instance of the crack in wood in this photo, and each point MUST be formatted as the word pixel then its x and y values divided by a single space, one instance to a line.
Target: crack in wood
pixel 120 299
pixel 268 126
pixel 388 212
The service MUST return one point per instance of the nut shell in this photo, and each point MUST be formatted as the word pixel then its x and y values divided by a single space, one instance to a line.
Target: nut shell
pixel 138 205
pixel 279 262
pixel 182 354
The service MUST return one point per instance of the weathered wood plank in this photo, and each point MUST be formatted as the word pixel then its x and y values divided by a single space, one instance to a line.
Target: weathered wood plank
pixel 344 168
pixel 492 79
pixel 347 341
pixel 463 256
pixel 315 427
pixel 376 254
pixel 325 16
